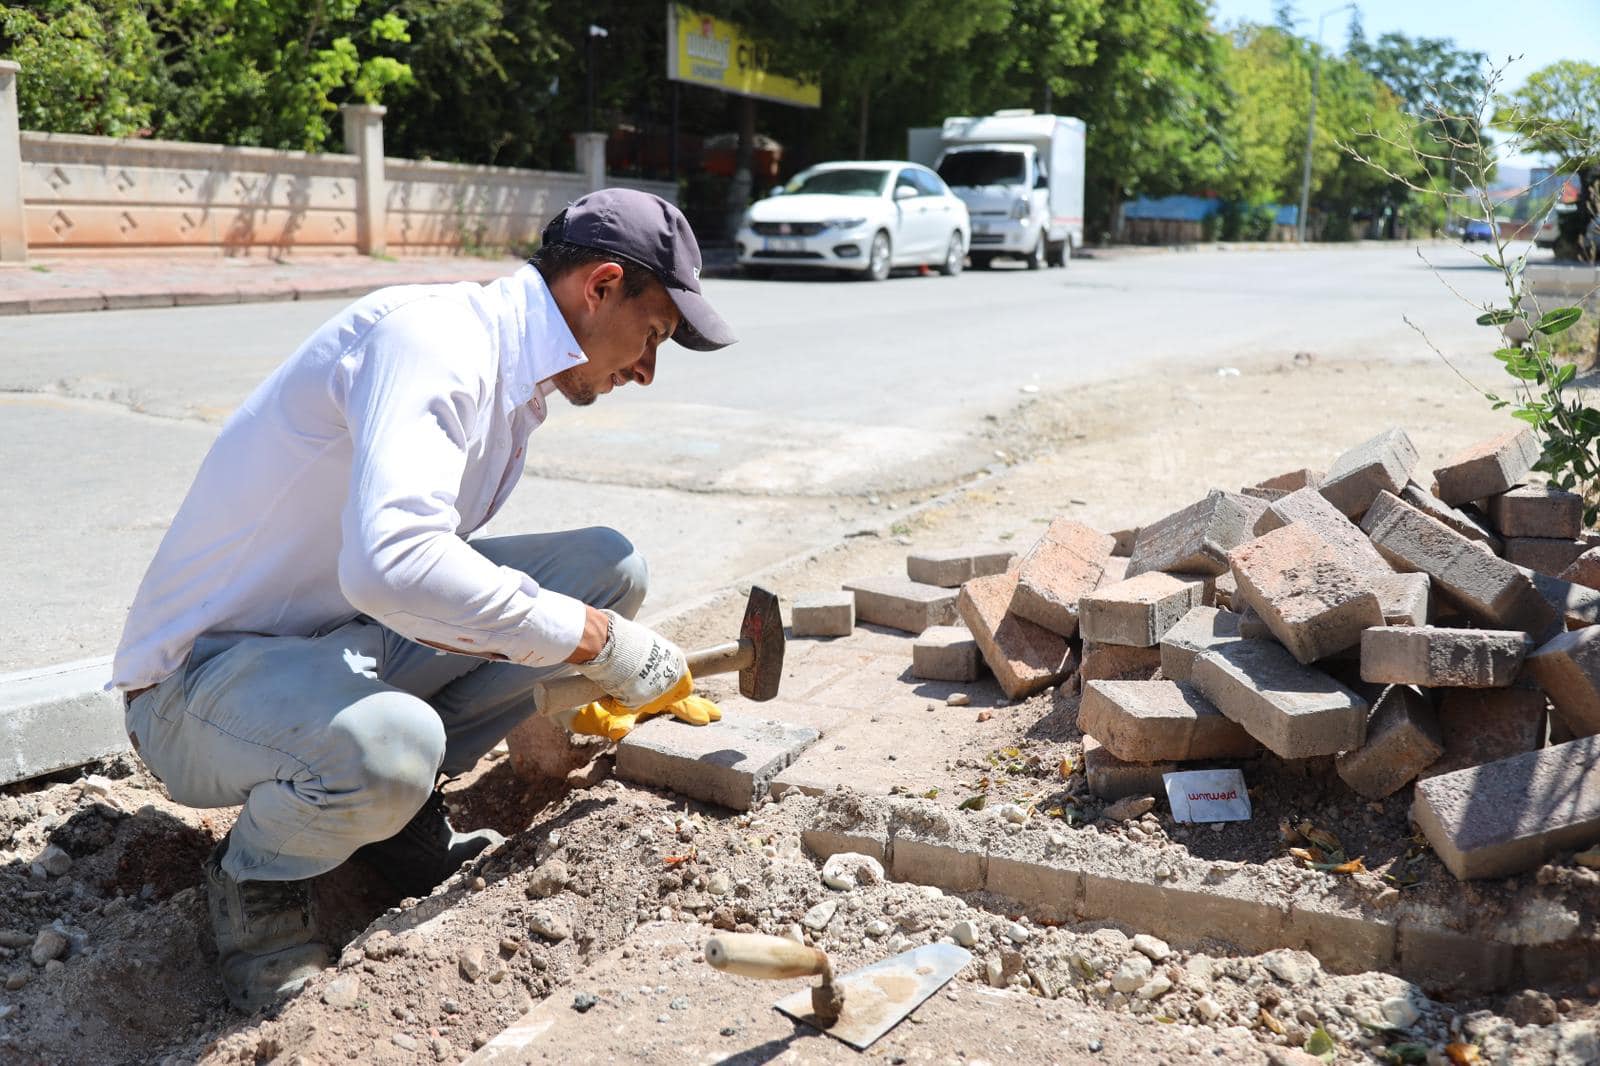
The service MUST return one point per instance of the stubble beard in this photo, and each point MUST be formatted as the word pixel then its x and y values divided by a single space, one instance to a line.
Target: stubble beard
pixel 570 383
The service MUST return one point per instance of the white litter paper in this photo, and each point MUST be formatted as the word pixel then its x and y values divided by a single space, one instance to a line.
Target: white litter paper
pixel 1207 796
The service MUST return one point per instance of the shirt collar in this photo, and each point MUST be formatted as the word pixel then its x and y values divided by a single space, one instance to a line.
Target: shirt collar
pixel 548 346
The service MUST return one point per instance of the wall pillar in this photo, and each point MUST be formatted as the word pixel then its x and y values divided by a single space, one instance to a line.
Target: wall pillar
pixel 592 159
pixel 13 231
pixel 363 138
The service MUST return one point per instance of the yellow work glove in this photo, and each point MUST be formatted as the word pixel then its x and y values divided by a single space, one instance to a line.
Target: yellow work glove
pixel 611 719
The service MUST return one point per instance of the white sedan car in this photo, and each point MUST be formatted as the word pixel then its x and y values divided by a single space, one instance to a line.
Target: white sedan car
pixel 865 218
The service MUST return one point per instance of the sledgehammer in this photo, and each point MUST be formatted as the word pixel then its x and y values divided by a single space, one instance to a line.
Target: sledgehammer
pixel 757 655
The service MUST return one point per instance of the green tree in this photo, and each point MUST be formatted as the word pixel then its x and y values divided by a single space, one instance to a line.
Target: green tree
pixel 88 66
pixel 1557 110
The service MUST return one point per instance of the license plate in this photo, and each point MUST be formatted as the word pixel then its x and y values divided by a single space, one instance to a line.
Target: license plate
pixel 785 244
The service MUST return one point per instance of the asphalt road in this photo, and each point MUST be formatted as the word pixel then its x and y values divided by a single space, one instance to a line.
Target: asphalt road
pixel 838 392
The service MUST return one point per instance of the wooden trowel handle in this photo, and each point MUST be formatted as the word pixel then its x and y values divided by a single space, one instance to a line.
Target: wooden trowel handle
pixel 769 957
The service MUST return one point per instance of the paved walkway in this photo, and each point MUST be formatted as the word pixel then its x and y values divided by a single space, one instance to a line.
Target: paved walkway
pixel 102 283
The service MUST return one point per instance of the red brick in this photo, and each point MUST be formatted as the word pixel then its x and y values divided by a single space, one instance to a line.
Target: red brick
pixel 1509 816
pixel 1310 508
pixel 1118 662
pixel 1482 725
pixel 1382 464
pixel 1065 563
pixel 1294 710
pixel 1024 657
pixel 1197 539
pixel 1403 738
pixel 1492 591
pixel 1537 511
pixel 1312 601
pixel 1568 669
pixel 1544 554
pixel 1435 657
pixel 1156 721
pixel 1488 468
pixel 1140 610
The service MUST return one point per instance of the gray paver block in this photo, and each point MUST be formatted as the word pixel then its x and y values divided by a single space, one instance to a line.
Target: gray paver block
pixel 1438 657
pixel 1197 539
pixel 1064 564
pixel 1545 554
pixel 1293 480
pixel 1509 816
pixel 1311 509
pixel 1585 569
pixel 1023 657
pixel 1124 539
pixel 1489 589
pixel 1139 611
pixel 1482 725
pixel 1299 584
pixel 58 717
pixel 1110 778
pixel 1201 629
pixel 1294 710
pixel 1463 522
pixel 1404 598
pixel 1487 468
pixel 945 653
pixel 1160 721
pixel 1537 511
pixel 1578 605
pixel 901 603
pixel 1382 464
pixel 951 567
pixel 1118 662
pixel 1403 739
pixel 1568 669
pixel 730 763
pixel 823 614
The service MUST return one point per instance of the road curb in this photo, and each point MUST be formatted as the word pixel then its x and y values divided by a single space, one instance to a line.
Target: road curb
pixel 57 717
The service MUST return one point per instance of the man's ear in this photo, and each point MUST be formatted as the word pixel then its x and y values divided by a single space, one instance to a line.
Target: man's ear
pixel 603 280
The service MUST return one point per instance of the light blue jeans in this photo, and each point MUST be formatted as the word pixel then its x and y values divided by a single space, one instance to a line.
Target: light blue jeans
pixel 334 741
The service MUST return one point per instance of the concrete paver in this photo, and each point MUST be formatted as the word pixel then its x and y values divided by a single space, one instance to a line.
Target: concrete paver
pixel 1160 721
pixel 1023 656
pixel 1568 669
pixel 1482 725
pixel 1118 662
pixel 1465 521
pixel 1585 570
pixel 1487 468
pixel 1201 629
pixel 1537 511
pixel 1436 657
pixel 730 763
pixel 823 614
pixel 1382 464
pixel 945 653
pixel 901 603
pixel 950 567
pixel 1548 555
pixel 1061 567
pixel 1405 599
pixel 1293 709
pixel 1300 585
pixel 1403 739
pixel 1310 508
pixel 1139 611
pixel 1196 539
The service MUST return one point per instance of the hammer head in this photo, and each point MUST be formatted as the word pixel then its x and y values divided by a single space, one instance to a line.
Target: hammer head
pixel 763 629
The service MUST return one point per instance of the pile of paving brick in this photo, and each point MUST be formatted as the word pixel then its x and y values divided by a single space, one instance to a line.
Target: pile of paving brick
pixel 1445 638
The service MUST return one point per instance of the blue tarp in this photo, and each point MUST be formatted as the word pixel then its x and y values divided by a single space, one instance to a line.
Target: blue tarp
pixel 1195 209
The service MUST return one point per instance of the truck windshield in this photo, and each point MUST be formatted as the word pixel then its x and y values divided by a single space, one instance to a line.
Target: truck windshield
pixel 972 169
pixel 840 183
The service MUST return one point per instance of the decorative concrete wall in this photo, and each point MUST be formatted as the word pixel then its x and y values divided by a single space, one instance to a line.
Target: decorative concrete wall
pixel 63 194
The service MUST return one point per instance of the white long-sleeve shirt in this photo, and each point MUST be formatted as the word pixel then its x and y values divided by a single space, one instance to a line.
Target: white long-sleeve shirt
pixel 348 481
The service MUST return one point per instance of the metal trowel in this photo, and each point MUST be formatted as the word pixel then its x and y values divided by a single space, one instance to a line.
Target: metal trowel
pixel 857 1007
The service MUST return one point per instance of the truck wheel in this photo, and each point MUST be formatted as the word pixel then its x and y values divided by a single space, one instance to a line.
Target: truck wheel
pixel 954 257
pixel 879 259
pixel 1060 252
pixel 1036 258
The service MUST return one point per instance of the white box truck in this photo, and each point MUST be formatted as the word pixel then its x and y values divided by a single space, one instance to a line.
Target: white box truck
pixel 1021 177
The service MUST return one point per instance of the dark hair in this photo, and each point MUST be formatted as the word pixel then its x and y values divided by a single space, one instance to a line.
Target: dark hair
pixel 557 259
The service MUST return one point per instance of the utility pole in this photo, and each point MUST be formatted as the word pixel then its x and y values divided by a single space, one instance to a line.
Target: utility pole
pixel 1311 122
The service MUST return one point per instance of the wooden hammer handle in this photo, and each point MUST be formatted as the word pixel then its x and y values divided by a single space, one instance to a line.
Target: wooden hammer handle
pixel 771 958
pixel 565 693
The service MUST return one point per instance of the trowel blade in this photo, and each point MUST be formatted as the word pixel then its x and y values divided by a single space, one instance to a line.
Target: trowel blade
pixel 877 997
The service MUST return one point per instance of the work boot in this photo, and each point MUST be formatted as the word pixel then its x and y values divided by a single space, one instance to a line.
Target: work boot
pixel 427 850
pixel 266 939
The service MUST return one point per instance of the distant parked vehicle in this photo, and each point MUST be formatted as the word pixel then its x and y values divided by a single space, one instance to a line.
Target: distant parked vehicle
pixel 1549 230
pixel 865 217
pixel 1477 230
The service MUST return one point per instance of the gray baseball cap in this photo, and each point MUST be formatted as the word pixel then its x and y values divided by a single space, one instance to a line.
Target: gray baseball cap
pixel 653 233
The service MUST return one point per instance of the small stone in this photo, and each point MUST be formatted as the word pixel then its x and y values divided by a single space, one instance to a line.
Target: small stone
pixel 1208 1008
pixel 1399 1012
pixel 471 963
pixel 984 716
pixel 583 1001
pixel 54 966
pixel 404 1042
pixel 549 926
pixel 1291 967
pixel 957 699
pixel 680 1003
pixel 49 944
pixel 1156 987
pixel 15 938
pixel 548 879
pixel 877 928
pixel 95 785
pixel 851 869
pixel 964 933
pixel 1017 933
pixel 1153 948
pixel 16 980
pixel 1133 973
pixel 817 918
pixel 994 972
pixel 54 860
pixel 342 992
pixel 1013 813
pixel 719 884
pixel 1128 807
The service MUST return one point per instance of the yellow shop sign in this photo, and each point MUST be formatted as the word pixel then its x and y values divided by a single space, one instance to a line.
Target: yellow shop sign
pixel 703 50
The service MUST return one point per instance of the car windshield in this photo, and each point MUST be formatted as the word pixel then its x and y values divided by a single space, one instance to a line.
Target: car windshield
pixel 971 169
pixel 840 182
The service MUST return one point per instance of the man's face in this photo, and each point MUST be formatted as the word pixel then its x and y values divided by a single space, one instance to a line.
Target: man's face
pixel 618 333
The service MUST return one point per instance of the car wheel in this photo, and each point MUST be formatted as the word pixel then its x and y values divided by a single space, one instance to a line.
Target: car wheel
pixel 954 257
pixel 1036 258
pixel 879 259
